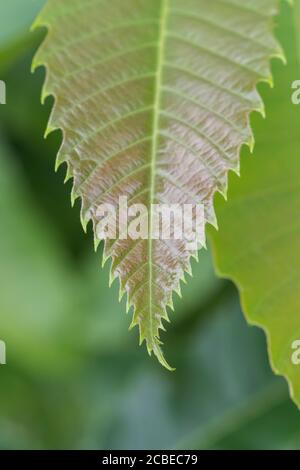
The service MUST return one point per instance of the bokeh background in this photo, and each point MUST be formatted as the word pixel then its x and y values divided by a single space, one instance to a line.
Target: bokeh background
pixel 75 377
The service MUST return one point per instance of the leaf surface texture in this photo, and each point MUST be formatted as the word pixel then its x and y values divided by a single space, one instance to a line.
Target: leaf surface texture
pixel 153 98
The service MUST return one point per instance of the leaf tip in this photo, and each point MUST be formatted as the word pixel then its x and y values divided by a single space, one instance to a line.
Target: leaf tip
pixel 160 356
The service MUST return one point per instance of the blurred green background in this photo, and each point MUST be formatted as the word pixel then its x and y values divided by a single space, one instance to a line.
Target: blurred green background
pixel 75 377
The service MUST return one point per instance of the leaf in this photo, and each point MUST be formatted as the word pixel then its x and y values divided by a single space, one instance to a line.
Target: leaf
pixel 258 245
pixel 153 98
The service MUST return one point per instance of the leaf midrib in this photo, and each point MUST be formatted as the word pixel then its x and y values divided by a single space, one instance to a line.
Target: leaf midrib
pixel 156 119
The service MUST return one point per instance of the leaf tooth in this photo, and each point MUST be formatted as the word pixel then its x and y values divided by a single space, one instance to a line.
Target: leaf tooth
pixel 40 21
pixel 112 277
pixel 165 316
pixel 142 338
pixel 46 92
pixel 189 270
pixel 211 217
pixel 129 304
pixel 177 290
pixel 50 128
pixel 143 335
pixel 122 292
pixel 259 106
pixel 251 145
pixel 47 87
pixel 122 283
pixel 170 304
pixel 249 141
pixel 236 163
pixel 74 196
pixel 84 217
pixel 261 109
pixel 236 170
pixel 280 54
pixel 96 243
pixel 59 161
pixel 223 185
pixel 279 51
pixel 131 294
pixel 39 59
pixel 69 174
pixel 133 323
pixel 267 78
pixel 160 325
pixel 36 63
pixel 270 81
pixel 105 257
